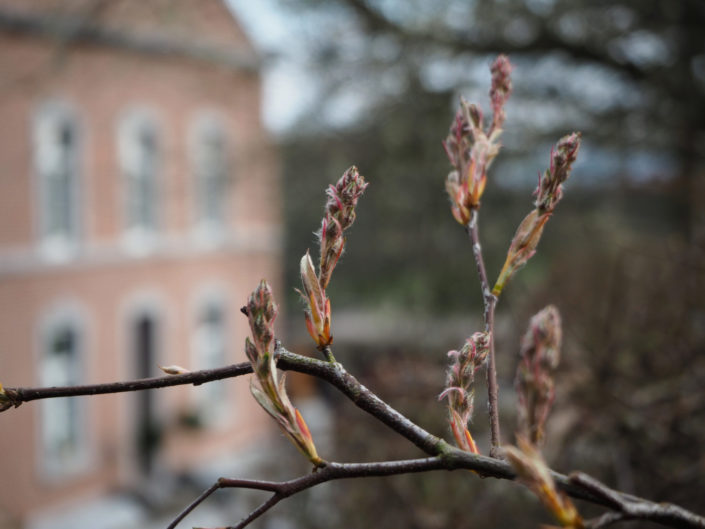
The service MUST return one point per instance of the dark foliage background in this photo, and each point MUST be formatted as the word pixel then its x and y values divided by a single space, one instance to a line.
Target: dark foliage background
pixel 623 259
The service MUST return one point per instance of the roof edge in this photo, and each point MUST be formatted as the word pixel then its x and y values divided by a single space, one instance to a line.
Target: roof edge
pixel 72 29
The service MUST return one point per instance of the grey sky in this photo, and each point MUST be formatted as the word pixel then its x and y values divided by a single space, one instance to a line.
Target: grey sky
pixel 287 88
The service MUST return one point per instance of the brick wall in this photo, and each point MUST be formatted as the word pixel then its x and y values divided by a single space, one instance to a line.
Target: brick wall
pixel 106 283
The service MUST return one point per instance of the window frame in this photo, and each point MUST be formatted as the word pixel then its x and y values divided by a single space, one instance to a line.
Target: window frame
pixel 140 234
pixel 57 244
pixel 211 401
pixel 59 319
pixel 205 125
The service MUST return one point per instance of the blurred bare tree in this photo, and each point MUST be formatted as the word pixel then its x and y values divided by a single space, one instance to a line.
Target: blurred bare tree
pixel 625 263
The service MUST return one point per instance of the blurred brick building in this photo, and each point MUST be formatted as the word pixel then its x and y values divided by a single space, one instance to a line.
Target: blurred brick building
pixel 138 207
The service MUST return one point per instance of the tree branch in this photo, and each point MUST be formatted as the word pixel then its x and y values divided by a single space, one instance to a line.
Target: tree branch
pixel 605 520
pixel 293 362
pixel 332 471
pixel 546 40
pixel 363 398
pixel 443 455
pixel 490 302
pixel 580 486
pixel 633 508
pixel 13 397
pixel 195 503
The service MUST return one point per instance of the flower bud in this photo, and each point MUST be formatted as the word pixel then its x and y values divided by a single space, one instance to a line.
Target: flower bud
pixel 339 216
pixel 270 392
pixel 459 389
pixel 548 193
pixel 343 197
pixel 563 155
pixel 261 313
pixel 522 247
pixel 174 370
pixel 540 354
pixel 470 149
pixel 500 90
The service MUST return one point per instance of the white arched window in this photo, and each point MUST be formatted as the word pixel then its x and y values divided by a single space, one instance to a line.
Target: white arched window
pixel 56 157
pixel 209 162
pixel 63 430
pixel 210 352
pixel 139 155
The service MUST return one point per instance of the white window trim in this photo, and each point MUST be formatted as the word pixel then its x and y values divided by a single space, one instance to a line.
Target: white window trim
pixel 208 232
pixel 65 314
pixel 139 240
pixel 52 246
pixel 221 414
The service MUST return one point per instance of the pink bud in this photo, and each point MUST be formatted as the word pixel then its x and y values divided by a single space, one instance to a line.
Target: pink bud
pixel 500 91
pixel 563 155
pixel 540 354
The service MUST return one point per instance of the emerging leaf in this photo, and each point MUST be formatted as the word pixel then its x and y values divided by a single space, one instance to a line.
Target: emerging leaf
pixel 535 474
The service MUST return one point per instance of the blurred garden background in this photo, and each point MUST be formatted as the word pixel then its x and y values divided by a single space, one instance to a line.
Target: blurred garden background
pixel 375 84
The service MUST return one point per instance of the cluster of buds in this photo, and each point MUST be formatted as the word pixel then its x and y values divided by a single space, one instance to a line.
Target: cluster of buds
pixel 548 193
pixel 532 470
pixel 459 388
pixel 471 149
pixel 270 392
pixel 339 216
pixel 540 354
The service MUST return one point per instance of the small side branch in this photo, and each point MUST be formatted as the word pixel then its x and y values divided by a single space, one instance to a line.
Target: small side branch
pixel 183 514
pixel 490 302
pixel 605 520
pixel 16 396
pixel 328 354
pixel 223 483
pixel 577 485
pixel 332 471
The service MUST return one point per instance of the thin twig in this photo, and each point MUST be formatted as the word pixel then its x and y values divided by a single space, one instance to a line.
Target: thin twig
pixel 259 511
pixel 195 503
pixel 17 396
pixel 605 520
pixel 490 302
pixel 455 459
pixel 328 354
pixel 332 471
